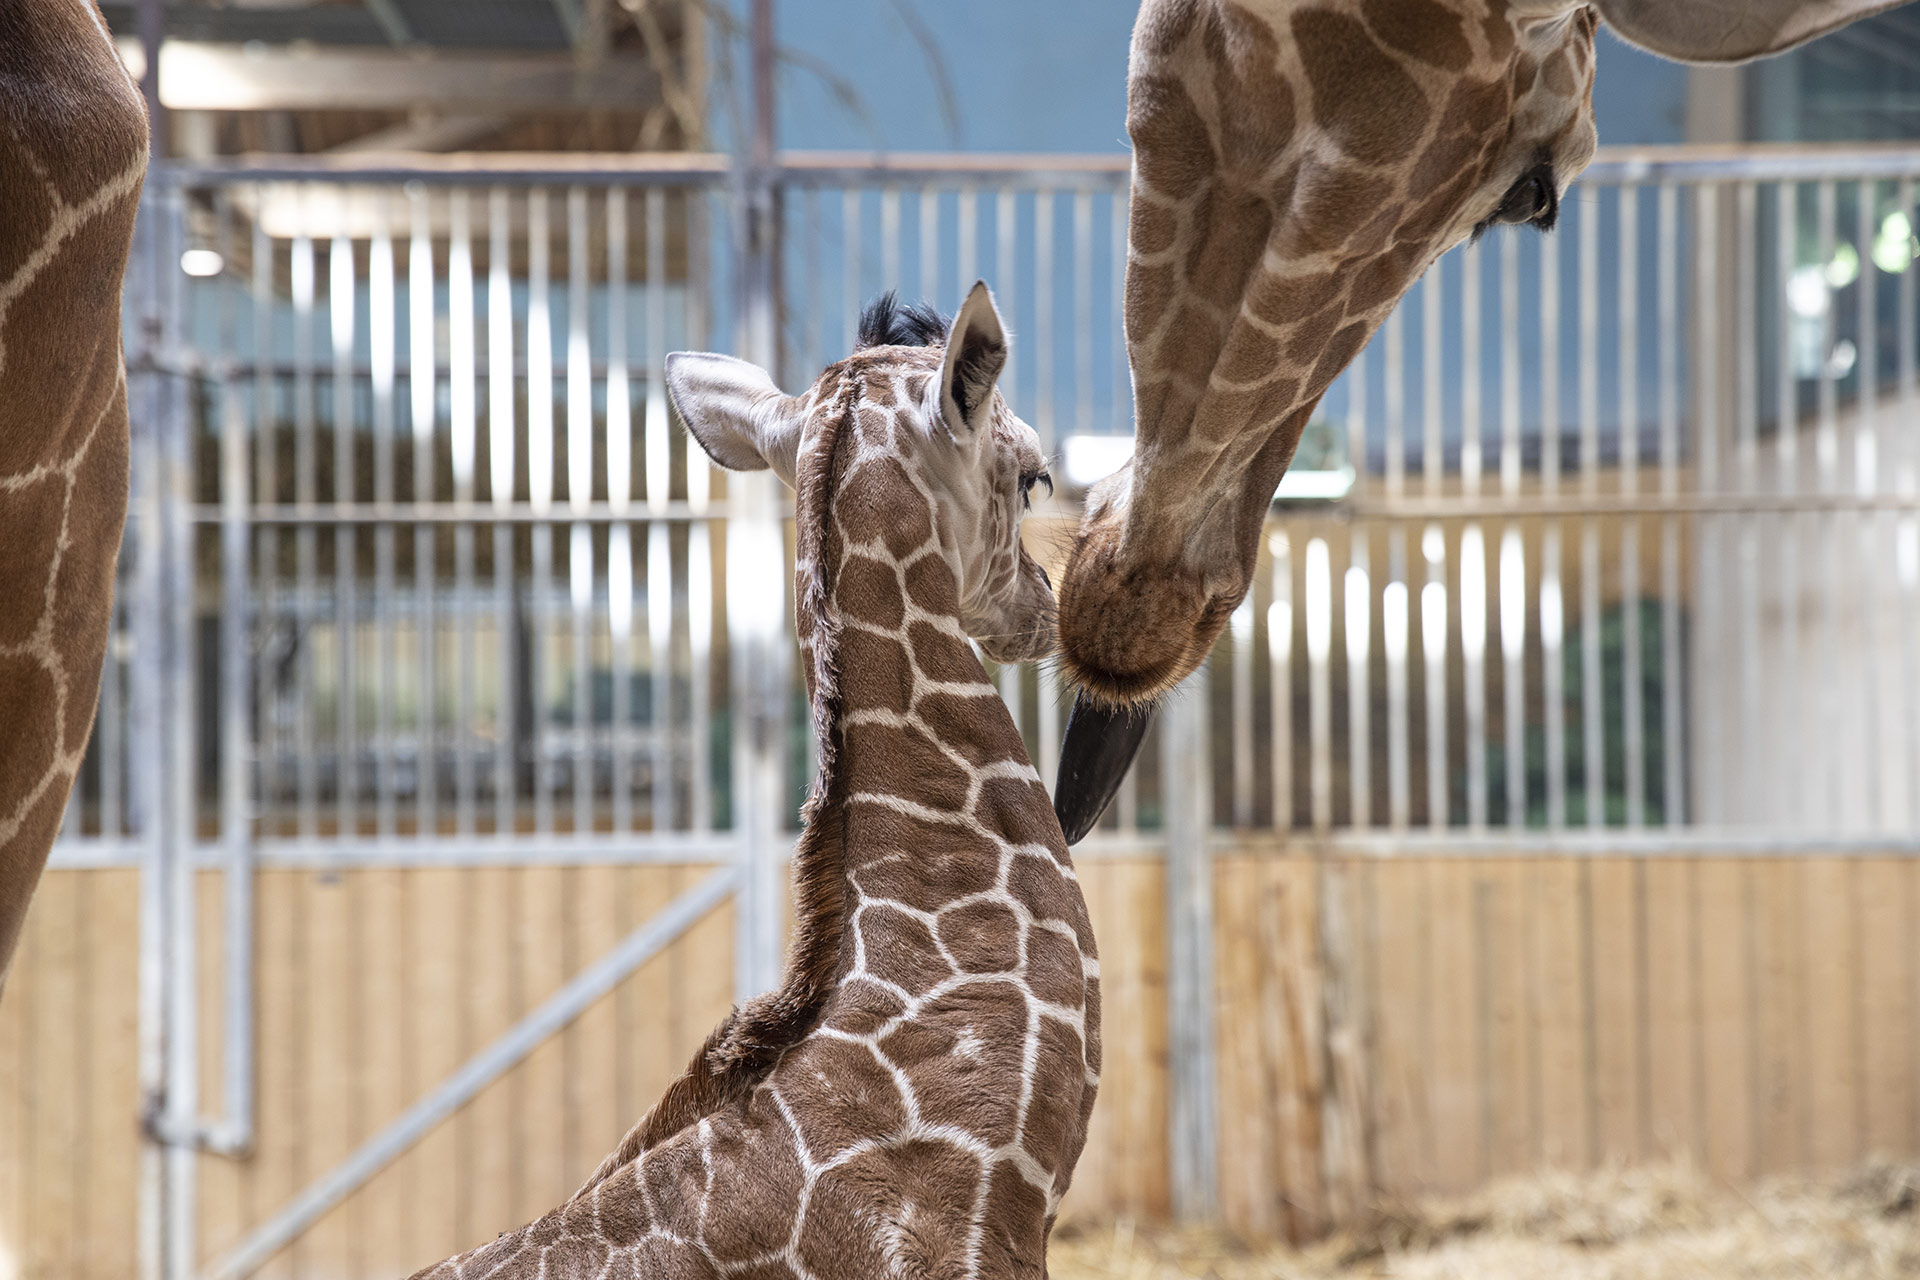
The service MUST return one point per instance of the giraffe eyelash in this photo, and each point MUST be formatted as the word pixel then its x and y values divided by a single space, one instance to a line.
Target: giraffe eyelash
pixel 1026 487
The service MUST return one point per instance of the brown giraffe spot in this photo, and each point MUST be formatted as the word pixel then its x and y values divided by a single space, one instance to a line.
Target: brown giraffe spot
pixel 1151 229
pixel 1171 146
pixel 775 1270
pixel 900 949
pixel 941 656
pixel 1059 1071
pixel 754 1164
pixel 1381 281
pixel 674 1181
pixel 1020 810
pixel 575 1256
pixel 1251 407
pixel 866 512
pixel 29 206
pixel 874 426
pixel 886 677
pixel 1421 29
pixel 982 937
pixel 1341 349
pixel 931 583
pixel 1054 968
pixel 967 724
pixel 1219 261
pixel 1438 211
pixel 1497 30
pixel 1309 339
pixel 622 1213
pixel 1446 158
pixel 1361 97
pixel 1247 61
pixel 838 1093
pixel 34 514
pixel 931 868
pixel 60 373
pixel 1090 1046
pixel 870 591
pixel 1283 300
pixel 1526 69
pixel 1477 107
pixel 886 1212
pixel 1557 70
pixel 917 388
pixel 1046 893
pixel 27 694
pixel 1013 1243
pixel 1329 202
pixel 1250 354
pixel 905 762
pixel 878 391
pixel 964 1060
pixel 1162 27
pixel 860 1008
pixel 663 1257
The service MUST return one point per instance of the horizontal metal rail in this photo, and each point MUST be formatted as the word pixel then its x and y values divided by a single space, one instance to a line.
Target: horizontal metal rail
pixel 638 511
pixel 492 1062
pixel 1619 504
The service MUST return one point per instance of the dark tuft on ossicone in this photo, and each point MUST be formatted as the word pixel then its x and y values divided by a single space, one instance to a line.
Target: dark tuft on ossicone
pixel 889 322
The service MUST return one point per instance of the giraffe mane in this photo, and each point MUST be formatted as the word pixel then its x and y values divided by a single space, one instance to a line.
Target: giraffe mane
pixel 740 1052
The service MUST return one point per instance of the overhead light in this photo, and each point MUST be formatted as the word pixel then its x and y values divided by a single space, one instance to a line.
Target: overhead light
pixel 201 262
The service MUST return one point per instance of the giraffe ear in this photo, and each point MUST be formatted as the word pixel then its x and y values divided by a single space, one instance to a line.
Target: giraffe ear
pixel 976 353
pixel 736 413
pixel 1729 30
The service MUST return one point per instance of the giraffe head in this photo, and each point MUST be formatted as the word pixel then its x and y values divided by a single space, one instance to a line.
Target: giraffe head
pixel 1297 165
pixel 948 456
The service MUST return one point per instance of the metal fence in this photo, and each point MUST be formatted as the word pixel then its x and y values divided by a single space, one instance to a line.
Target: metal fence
pixel 1625 552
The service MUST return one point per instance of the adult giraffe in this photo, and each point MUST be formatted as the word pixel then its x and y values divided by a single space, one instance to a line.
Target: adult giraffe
pixel 73 152
pixel 1297 165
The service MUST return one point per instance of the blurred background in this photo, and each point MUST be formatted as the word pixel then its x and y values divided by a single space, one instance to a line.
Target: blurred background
pixel 1551 804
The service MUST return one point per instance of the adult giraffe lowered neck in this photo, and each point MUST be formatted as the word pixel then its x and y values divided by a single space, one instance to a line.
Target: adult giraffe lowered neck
pixel 1297 165
pixel 912 1099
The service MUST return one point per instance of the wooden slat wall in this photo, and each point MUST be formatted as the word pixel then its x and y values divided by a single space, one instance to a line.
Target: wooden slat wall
pixel 1758 1015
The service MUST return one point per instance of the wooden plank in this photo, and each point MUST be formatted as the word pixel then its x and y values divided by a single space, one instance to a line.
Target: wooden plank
pixel 112 912
pixel 1296 1042
pixel 217 1192
pixel 1560 995
pixel 489 1140
pixel 1402 1027
pixel 1614 1033
pixel 1726 1027
pixel 540 922
pixel 1246 1146
pixel 1774 956
pixel 275 1167
pixel 597 1124
pixel 644 1003
pixel 386 1001
pixel 1830 961
pixel 16 1152
pixel 331 1119
pixel 1886 1008
pixel 441 935
pixel 1671 1063
pixel 52 1191
pixel 1453 993
pixel 1509 1085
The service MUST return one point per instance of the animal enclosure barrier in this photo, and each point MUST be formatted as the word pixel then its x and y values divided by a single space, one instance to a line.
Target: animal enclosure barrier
pixel 1552 799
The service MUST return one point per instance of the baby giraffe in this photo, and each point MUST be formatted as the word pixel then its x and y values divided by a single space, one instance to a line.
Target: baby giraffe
pixel 911 1100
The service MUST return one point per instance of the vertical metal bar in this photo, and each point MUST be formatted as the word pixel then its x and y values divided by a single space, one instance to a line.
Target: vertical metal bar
pixel 1433 461
pixel 1358 622
pixel 1394 641
pixel 1747 581
pixel 306 547
pixel 1552 601
pixel 1628 336
pixel 659 459
pixel 579 501
pixel 1470 451
pixel 1433 645
pixel 266 488
pixel 236 759
pixel 1280 678
pixel 340 314
pixel 1083 311
pixel 1240 628
pixel 700 657
pixel 423 385
pixel 1319 606
pixel 1869 523
pixel 1513 649
pixel 967 252
pixel 382 349
pixel 540 446
pixel 1473 656
pixel 1833 718
pixel 1510 363
pixel 1673 784
pixel 501 386
pixel 890 237
pixel 1192 1106
pixel 463 427
pixel 1706 380
pixel 1592 709
pixel 930 244
pixel 1006 265
pixel 660 661
pixel 1396 404
pixel 1792 803
pixel 1043 327
pixel 1907 532
pixel 619 502
pixel 850 254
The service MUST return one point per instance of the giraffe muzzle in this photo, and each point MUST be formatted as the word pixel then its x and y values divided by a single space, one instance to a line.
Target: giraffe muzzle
pixel 1100 743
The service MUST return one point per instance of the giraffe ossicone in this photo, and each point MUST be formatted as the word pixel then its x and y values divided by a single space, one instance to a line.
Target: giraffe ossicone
pixel 1298 164
pixel 913 1097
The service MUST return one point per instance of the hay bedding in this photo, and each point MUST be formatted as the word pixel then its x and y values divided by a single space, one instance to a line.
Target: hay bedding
pixel 1660 1223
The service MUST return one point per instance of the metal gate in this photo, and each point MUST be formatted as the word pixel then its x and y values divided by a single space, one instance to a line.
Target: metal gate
pixel 1612 532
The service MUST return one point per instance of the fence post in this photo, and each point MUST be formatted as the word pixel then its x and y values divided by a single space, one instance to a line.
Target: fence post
pixel 1192 1111
pixel 756 565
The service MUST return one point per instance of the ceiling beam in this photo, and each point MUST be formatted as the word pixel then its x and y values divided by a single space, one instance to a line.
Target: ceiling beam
pixel 218 77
